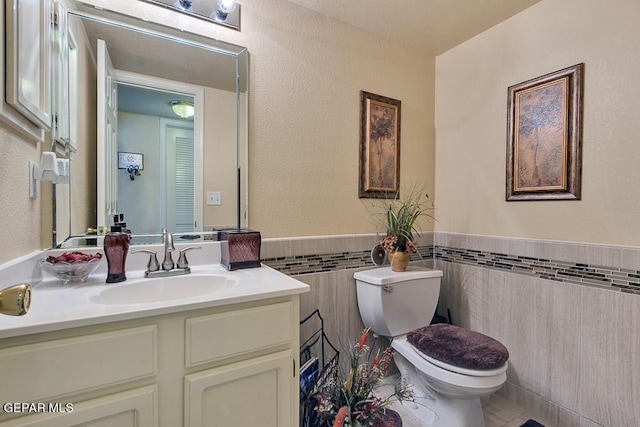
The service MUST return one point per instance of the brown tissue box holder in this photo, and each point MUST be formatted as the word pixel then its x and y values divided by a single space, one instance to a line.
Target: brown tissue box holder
pixel 240 248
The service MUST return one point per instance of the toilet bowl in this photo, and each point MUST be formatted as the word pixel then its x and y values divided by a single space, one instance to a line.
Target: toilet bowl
pixel 456 392
pixel 395 304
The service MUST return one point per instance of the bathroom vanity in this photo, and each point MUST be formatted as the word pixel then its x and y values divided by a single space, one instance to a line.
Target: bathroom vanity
pixel 211 348
pixel 100 354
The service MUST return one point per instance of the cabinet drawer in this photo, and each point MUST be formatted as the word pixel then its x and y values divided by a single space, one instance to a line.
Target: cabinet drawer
pixel 44 370
pixel 219 336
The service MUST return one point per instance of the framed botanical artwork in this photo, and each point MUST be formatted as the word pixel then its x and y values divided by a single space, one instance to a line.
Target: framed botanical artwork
pixel 379 146
pixel 544 137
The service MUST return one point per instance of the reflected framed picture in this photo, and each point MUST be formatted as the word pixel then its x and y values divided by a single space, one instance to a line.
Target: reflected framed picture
pixel 130 159
pixel 379 146
pixel 544 137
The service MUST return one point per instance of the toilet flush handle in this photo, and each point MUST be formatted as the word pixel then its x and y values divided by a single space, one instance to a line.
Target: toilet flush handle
pixel 387 288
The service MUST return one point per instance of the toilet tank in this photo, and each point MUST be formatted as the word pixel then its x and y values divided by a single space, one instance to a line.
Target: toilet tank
pixel 394 303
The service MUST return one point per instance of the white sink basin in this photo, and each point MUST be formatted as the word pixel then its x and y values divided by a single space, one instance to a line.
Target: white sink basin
pixel 163 289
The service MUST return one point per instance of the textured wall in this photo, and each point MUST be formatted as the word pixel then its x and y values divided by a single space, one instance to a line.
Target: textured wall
pixel 20 226
pixel 567 312
pixel 306 73
pixel 219 143
pixel 471 112
pixel 83 164
pixel 572 334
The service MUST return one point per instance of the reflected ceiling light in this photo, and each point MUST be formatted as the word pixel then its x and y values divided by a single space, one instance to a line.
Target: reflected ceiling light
pixel 224 8
pixel 184 5
pixel 183 109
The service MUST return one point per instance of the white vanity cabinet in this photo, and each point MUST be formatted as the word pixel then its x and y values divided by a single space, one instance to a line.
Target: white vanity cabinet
pixel 255 391
pixel 220 366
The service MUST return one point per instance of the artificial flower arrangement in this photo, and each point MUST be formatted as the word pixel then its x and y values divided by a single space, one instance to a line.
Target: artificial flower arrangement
pixel 352 401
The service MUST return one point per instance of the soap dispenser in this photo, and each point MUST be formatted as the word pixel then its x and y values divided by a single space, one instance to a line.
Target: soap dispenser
pixel 116 247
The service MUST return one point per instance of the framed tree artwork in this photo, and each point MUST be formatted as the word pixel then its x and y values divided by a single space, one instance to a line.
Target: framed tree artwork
pixel 544 137
pixel 379 146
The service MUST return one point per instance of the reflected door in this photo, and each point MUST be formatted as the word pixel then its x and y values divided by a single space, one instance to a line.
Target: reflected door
pixel 107 138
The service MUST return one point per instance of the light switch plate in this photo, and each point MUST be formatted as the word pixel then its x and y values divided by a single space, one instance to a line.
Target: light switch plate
pixel 214 198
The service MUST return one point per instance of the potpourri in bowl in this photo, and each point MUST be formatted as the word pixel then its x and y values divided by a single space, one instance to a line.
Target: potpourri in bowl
pixel 72 266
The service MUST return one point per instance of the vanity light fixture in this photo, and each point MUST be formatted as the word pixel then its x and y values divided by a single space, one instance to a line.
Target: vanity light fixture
pixel 46 170
pixel 183 5
pixel 223 9
pixel 221 12
pixel 182 109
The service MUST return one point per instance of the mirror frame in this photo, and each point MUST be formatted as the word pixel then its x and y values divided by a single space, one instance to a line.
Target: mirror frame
pixel 61 102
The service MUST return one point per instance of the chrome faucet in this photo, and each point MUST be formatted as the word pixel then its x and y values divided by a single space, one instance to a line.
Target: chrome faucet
pixel 167 238
pixel 167 268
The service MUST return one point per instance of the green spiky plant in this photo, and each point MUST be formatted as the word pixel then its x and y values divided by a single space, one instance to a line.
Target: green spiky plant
pixel 400 217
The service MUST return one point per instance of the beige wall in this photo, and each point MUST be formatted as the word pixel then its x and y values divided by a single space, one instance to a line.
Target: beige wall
pixel 20 225
pixel 471 112
pixel 83 161
pixel 219 151
pixel 556 347
pixel 306 73
pixel 307 70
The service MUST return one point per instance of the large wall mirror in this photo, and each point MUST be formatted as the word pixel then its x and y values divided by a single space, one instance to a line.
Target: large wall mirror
pixel 153 121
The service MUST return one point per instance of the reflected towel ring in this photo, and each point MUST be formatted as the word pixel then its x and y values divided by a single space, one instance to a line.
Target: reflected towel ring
pixel 133 171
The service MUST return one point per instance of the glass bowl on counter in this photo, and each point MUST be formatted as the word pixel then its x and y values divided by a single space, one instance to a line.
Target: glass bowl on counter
pixel 71 266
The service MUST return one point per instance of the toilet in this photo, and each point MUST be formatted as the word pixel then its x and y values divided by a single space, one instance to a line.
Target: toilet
pixel 451 366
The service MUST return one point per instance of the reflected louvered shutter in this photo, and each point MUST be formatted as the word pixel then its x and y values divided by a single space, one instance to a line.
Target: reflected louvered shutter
pixel 184 185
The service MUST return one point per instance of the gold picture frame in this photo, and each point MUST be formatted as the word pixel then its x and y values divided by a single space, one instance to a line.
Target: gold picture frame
pixel 379 146
pixel 544 137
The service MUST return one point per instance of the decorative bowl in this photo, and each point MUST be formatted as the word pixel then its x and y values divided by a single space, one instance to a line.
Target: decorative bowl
pixel 71 271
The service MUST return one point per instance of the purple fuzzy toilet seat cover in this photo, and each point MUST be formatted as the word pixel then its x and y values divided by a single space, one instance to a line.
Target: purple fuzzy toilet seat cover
pixel 458 346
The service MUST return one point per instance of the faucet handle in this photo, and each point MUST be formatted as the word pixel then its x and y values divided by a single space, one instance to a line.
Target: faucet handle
pixel 182 260
pixel 153 264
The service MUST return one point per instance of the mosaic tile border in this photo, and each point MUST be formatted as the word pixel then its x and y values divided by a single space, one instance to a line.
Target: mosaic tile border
pixel 618 279
pixel 560 271
pixel 309 264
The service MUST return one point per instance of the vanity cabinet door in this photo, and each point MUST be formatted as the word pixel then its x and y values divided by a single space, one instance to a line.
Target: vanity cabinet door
pixel 254 392
pixel 133 408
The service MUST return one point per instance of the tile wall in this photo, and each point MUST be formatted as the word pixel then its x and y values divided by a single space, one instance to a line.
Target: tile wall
pixel 327 265
pixel 569 313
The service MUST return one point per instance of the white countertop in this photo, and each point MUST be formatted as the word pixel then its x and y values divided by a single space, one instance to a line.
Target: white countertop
pixel 55 306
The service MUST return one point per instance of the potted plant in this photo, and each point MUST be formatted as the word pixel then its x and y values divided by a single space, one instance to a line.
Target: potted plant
pixel 400 216
pixel 352 401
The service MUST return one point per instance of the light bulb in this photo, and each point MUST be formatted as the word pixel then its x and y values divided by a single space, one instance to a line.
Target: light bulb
pixel 225 7
pixel 184 5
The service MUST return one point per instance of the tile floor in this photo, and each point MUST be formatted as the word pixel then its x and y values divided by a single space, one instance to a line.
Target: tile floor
pixel 498 412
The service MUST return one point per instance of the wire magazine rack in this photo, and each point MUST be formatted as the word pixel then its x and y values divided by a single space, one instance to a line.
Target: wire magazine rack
pixel 318 364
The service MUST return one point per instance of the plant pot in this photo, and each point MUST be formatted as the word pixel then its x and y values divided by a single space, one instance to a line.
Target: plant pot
pixel 389 418
pixel 399 261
